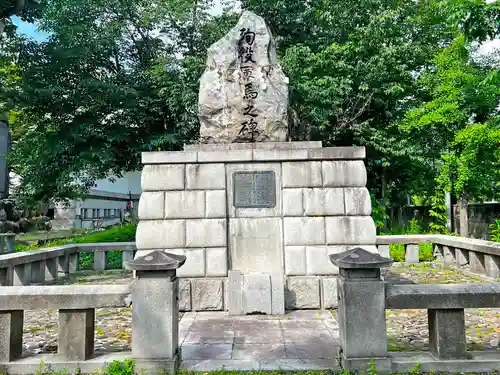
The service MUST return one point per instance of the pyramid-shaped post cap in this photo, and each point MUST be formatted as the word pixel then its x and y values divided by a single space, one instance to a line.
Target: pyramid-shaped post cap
pixel 156 261
pixel 359 258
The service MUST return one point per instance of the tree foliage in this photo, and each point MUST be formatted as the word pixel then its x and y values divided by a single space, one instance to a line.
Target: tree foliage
pixel 26 10
pixel 478 19
pixel 112 80
pixel 458 127
pixel 119 77
pixel 351 67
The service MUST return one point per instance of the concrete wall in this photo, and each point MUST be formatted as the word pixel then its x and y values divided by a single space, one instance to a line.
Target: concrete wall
pixel 481 216
pixel 131 181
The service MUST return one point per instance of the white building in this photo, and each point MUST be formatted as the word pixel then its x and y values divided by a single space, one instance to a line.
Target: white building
pixel 104 206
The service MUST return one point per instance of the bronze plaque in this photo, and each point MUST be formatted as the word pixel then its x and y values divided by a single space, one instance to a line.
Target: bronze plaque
pixel 254 189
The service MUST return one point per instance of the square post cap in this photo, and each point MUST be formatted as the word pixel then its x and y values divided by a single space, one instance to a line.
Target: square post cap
pixel 359 258
pixel 156 261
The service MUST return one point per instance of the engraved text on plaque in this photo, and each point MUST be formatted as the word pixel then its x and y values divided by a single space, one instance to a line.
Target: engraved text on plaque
pixel 254 189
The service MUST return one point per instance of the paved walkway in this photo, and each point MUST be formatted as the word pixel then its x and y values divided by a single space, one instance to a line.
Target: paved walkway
pixel 300 340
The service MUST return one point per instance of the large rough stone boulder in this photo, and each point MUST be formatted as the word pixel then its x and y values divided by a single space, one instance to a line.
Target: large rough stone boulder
pixel 243 92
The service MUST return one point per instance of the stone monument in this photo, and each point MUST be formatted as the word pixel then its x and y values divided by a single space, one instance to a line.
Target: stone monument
pixel 243 91
pixel 256 217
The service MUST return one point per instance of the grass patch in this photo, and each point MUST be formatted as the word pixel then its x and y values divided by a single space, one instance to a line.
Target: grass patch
pixel 126 367
pixel 54 234
pixel 119 233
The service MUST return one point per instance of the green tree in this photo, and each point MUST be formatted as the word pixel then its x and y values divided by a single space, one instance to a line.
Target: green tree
pixel 117 78
pixel 27 10
pixel 478 19
pixel 113 79
pixel 458 127
pixel 352 73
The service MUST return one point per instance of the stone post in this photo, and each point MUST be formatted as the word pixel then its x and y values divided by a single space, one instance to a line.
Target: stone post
pixel 76 334
pixel 99 260
pixel 11 335
pixel 11 243
pixel 361 311
pixel 51 269
pixel 155 311
pixel 447 337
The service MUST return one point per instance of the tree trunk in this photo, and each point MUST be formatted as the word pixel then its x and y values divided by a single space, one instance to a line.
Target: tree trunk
pixel 449 212
pixel 464 216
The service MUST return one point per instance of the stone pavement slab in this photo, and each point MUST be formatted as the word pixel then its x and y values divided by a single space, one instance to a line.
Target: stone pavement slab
pixel 300 340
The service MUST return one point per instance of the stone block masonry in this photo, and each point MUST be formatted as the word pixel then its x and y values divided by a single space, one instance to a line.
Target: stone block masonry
pixel 291 205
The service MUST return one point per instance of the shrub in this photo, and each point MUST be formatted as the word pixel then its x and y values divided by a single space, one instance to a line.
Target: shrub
pixel 495 231
pixel 120 368
pixel 425 253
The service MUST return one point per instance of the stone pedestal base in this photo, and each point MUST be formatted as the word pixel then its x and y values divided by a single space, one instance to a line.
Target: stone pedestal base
pixel 272 211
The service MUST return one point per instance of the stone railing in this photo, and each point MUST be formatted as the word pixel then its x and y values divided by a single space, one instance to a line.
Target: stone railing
pixel 44 265
pixel 364 298
pixel 76 307
pixel 155 319
pixel 362 294
pixel 483 257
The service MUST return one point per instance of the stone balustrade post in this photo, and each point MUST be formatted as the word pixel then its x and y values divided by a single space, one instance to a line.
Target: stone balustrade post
pixel 492 266
pixel 11 335
pixel 63 264
pixel 447 337
pixel 38 272
pixel 384 250
pixel 10 241
pixel 361 311
pixel 76 334
pixel 155 311
pixel 461 257
pixel 99 260
pixel 51 269
pixel 412 253
pixel 476 262
pixel 73 260
pixel 449 255
pixel 22 274
pixel 127 255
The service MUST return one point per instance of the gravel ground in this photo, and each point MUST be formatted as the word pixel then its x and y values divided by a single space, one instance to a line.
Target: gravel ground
pixel 407 329
pixel 113 326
